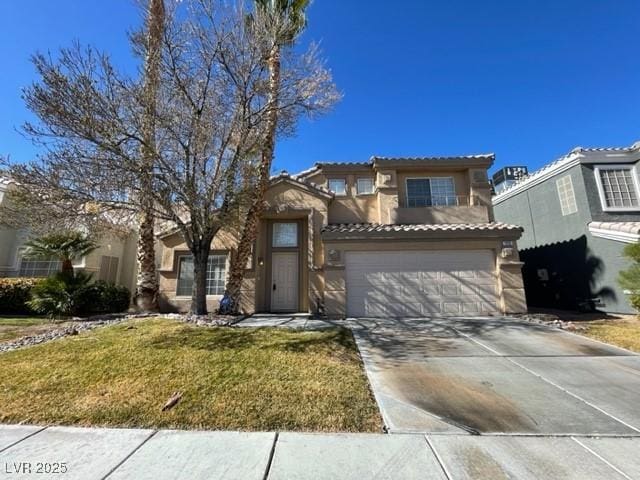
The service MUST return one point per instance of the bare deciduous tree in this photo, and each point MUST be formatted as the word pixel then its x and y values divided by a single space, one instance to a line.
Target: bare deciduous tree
pixel 209 120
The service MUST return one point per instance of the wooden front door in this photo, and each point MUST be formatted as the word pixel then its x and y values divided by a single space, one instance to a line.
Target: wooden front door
pixel 284 282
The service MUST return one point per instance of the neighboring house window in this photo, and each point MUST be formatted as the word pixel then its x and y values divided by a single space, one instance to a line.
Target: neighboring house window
pixel 36 267
pixel 285 235
pixel 427 192
pixel 617 187
pixel 365 186
pixel 108 269
pixel 338 186
pixel 567 196
pixel 216 275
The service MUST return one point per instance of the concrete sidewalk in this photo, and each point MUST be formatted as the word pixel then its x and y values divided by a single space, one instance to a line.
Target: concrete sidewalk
pixel 88 454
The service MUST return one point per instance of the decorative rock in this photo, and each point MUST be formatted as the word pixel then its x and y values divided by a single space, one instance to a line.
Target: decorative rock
pixel 89 323
pixel 551 320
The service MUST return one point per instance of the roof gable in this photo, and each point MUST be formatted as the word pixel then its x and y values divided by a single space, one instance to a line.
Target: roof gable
pixel 300 183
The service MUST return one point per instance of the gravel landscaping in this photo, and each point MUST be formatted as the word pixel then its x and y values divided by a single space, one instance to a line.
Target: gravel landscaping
pixel 77 325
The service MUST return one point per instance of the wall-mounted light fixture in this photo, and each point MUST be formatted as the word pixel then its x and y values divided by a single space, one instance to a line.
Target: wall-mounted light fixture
pixel 260 261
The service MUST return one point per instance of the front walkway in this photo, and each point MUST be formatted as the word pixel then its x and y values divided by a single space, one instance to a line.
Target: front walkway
pixel 96 454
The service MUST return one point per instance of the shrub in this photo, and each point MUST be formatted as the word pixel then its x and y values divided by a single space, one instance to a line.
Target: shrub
pixel 61 294
pixel 14 295
pixel 64 295
pixel 103 297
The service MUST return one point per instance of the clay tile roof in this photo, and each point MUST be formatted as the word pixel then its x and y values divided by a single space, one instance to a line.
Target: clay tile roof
pixel 624 227
pixel 484 156
pixel 422 227
pixel 343 164
pixel 284 175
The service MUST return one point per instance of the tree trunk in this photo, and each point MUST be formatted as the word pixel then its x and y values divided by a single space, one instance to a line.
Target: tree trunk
pixel 67 267
pixel 250 229
pixel 200 252
pixel 147 282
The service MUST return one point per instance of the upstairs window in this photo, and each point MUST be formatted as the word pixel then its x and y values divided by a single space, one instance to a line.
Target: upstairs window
pixel 618 188
pixel 365 186
pixel 566 195
pixel 338 186
pixel 216 275
pixel 428 192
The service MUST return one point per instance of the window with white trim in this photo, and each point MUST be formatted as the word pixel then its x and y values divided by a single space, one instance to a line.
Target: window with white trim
pixel 566 195
pixel 365 186
pixel 617 187
pixel 338 186
pixel 427 192
pixel 216 275
pixel 39 267
pixel 285 235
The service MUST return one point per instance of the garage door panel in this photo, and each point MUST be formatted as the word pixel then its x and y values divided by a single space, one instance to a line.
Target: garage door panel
pixel 417 283
pixel 471 308
pixel 451 289
pixel 430 290
pixel 428 275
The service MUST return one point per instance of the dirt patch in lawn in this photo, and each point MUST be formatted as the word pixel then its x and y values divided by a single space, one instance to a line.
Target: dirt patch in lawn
pixel 230 378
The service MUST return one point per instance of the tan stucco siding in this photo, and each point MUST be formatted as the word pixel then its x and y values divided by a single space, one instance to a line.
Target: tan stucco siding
pixel 460 181
pixel 284 202
pixel 174 246
pixel 389 204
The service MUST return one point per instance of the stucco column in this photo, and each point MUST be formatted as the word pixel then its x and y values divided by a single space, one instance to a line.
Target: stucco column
pixel 335 290
pixel 480 190
pixel 510 284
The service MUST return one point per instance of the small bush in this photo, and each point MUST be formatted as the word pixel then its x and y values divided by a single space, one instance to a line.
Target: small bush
pixel 64 295
pixel 103 297
pixel 60 294
pixel 14 295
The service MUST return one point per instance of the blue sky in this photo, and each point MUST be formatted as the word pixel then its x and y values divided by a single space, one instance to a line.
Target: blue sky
pixel 528 80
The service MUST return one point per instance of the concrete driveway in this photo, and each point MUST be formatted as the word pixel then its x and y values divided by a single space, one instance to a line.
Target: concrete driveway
pixel 497 376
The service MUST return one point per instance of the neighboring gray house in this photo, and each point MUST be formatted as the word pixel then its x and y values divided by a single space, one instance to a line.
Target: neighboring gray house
pixel 578 214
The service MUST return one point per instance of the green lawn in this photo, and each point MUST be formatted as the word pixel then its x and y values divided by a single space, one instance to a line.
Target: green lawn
pixel 12 328
pixel 623 333
pixel 246 379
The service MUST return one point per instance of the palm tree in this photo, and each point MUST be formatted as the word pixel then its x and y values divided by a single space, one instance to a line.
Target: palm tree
pixel 280 22
pixel 62 246
pixel 147 281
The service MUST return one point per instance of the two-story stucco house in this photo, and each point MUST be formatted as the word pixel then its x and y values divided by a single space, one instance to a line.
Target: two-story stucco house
pixel 387 237
pixel 113 261
pixel 578 213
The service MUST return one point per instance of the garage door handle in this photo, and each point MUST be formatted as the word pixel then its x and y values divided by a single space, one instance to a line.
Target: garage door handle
pixel 274 287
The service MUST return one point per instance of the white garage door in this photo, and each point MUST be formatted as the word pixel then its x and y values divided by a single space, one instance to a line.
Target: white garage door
pixel 417 283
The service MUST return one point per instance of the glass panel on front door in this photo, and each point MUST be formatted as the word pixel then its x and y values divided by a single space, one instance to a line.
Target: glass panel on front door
pixel 285 235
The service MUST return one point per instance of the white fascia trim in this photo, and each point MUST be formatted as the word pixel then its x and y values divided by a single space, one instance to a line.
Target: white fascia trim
pixel 624 237
pixel 561 167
